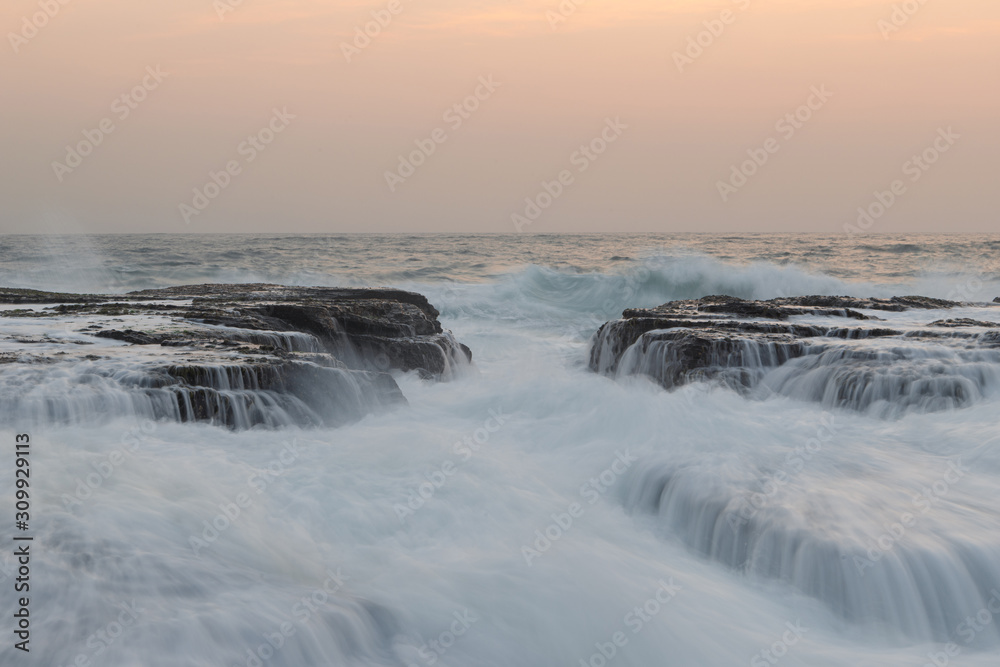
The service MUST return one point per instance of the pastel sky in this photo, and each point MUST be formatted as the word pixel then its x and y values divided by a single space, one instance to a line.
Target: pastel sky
pixel 668 125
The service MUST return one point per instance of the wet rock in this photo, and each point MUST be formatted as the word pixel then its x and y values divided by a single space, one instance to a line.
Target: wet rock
pixel 15 295
pixel 234 355
pixel 963 322
pixel 243 396
pixel 757 349
pixel 130 336
pixel 369 329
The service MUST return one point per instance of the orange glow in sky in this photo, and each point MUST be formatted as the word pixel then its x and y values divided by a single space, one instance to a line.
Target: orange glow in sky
pixel 699 86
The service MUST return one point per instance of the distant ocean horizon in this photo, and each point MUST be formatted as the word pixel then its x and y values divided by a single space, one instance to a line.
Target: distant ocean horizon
pixel 117 262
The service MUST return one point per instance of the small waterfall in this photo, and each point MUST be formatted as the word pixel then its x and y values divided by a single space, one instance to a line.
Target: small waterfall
pixel 238 396
pixel 878 371
pixel 895 576
pixel 287 341
pixel 434 356
pixel 739 363
pixel 889 382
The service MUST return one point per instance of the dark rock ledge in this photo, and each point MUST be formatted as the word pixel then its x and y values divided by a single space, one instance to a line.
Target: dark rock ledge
pixel 239 355
pixel 860 364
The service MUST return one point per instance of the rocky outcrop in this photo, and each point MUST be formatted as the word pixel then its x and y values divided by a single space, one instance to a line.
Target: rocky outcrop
pixel 17 295
pixel 235 355
pixel 762 347
pixel 964 322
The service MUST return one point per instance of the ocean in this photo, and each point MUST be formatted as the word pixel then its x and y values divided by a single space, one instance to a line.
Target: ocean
pixel 515 515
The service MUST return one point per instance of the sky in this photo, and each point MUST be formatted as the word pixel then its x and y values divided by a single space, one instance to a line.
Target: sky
pixel 508 116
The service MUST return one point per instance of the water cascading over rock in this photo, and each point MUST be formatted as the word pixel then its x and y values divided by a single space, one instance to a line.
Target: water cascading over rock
pixel 235 355
pixel 755 348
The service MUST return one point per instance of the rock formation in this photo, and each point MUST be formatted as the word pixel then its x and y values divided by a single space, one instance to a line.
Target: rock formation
pixel 833 350
pixel 238 355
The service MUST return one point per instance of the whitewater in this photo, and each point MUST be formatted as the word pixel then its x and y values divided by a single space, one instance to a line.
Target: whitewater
pixel 526 511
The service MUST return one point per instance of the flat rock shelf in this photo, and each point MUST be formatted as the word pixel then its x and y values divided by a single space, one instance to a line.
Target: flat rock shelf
pixel 236 355
pixel 885 356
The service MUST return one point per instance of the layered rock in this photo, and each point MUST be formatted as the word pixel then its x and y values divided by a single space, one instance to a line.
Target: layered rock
pixel 236 355
pixel 761 347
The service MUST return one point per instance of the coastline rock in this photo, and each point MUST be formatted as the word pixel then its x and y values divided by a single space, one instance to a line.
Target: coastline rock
pixel 754 348
pixel 234 355
pixel 964 322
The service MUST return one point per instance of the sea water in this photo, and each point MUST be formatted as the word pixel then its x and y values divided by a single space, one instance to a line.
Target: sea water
pixel 528 512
